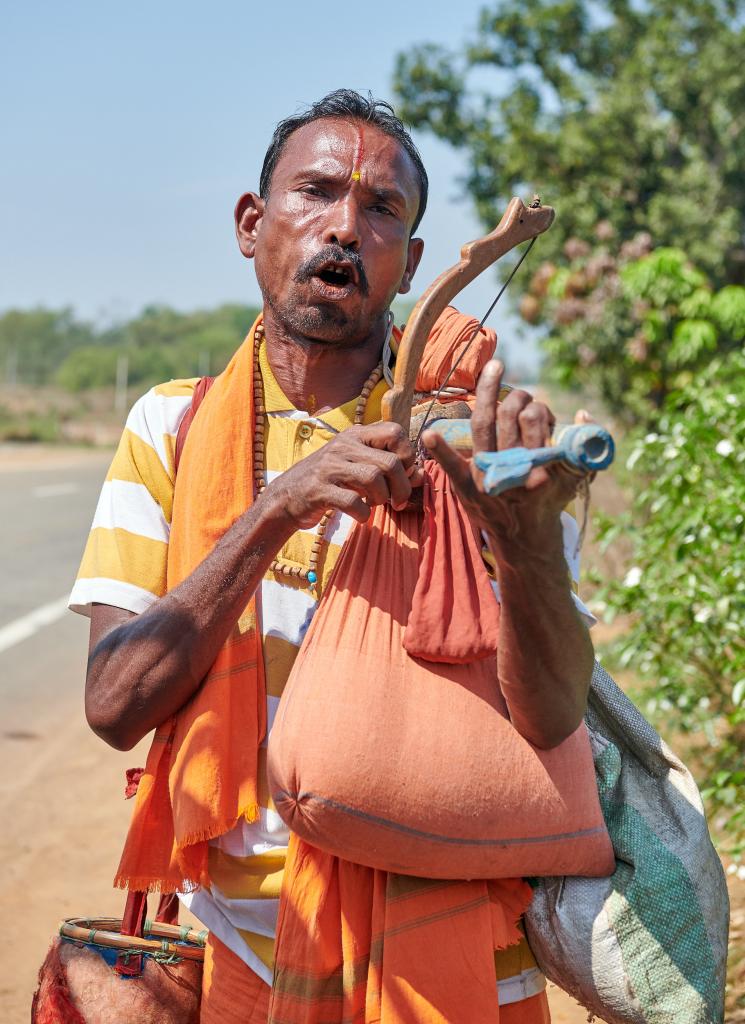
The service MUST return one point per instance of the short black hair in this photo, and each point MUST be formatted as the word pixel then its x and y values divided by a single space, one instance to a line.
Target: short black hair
pixel 347 105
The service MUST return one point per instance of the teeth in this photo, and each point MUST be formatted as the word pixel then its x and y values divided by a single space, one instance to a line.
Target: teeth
pixel 337 275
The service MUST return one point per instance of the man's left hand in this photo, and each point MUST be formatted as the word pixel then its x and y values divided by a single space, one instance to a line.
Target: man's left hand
pixel 521 514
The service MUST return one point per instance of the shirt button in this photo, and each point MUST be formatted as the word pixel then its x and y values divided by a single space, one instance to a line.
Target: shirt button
pixel 305 431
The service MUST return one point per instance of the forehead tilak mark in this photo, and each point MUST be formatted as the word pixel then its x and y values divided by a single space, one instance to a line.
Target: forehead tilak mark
pixel 359 154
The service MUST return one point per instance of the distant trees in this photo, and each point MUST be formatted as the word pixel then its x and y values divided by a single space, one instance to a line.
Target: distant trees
pixel 33 343
pixel 53 347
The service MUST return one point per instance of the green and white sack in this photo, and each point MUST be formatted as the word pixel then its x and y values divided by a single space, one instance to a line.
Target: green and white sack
pixel 649 944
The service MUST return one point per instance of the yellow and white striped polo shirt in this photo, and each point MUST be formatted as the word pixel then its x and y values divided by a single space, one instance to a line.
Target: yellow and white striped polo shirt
pixel 124 565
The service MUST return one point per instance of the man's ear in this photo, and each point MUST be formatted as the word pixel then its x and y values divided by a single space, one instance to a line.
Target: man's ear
pixel 416 248
pixel 249 211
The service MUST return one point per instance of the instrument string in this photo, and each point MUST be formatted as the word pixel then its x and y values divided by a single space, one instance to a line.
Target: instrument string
pixel 470 342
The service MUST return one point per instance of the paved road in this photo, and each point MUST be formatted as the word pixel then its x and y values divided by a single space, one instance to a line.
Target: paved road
pixel 61 789
pixel 46 506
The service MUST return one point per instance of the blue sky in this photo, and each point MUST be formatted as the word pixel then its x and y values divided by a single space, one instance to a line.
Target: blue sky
pixel 129 130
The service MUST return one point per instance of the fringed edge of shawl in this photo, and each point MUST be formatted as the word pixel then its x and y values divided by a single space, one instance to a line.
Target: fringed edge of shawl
pixel 251 812
pixel 510 910
pixel 147 884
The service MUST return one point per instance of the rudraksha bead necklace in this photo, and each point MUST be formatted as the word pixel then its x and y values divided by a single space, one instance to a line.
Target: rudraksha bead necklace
pixel 282 568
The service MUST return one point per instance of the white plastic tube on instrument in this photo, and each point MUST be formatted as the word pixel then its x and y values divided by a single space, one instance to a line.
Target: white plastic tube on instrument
pixel 582 448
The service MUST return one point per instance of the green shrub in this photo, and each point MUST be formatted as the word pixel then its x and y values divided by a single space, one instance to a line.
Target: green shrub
pixel 90 366
pixel 686 588
pixel 28 426
pixel 633 326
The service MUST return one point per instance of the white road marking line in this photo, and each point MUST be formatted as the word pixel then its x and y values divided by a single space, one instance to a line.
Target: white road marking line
pixel 54 490
pixel 27 625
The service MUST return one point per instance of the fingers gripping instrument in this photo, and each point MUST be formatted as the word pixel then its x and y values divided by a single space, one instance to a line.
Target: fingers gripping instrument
pixel 581 448
pixel 520 223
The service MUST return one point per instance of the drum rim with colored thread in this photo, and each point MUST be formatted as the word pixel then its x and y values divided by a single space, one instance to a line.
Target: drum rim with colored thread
pixel 173 940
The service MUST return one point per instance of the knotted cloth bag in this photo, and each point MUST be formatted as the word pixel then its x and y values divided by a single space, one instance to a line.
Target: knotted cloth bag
pixel 648 944
pixel 411 765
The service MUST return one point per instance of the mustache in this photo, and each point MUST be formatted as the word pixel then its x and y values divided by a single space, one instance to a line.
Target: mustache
pixel 333 254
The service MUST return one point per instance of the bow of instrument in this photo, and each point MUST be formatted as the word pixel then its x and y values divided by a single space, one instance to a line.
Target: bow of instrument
pixel 520 223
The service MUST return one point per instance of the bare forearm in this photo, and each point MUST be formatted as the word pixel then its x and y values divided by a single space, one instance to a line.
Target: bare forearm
pixel 545 653
pixel 143 671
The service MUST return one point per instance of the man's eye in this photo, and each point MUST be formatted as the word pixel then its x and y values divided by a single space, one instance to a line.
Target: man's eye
pixel 312 190
pixel 382 208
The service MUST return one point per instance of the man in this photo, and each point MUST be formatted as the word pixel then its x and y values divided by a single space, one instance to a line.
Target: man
pixel 331 233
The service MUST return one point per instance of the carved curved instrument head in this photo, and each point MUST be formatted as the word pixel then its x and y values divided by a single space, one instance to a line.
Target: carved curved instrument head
pixel 519 224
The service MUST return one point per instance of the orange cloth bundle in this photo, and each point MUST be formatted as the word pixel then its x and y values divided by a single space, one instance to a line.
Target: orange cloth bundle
pixel 409 765
pixel 454 614
pixel 448 338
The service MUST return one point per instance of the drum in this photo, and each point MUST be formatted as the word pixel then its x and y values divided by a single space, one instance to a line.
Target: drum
pixel 94 974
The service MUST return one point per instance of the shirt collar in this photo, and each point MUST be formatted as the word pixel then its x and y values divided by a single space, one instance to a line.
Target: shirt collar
pixel 275 400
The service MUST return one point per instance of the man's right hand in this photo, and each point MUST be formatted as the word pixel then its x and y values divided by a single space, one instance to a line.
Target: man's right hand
pixel 142 669
pixel 361 467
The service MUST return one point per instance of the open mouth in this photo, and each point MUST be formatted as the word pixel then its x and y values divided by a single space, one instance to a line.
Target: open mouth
pixel 340 277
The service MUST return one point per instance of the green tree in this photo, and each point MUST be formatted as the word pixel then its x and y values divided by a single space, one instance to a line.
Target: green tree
pixel 632 325
pixel 33 343
pixel 628 113
pixel 159 344
pixel 685 590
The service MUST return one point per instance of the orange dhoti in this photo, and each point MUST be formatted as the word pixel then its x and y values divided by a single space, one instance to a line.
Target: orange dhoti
pixel 233 994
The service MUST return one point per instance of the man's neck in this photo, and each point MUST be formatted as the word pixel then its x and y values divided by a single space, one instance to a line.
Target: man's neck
pixel 318 376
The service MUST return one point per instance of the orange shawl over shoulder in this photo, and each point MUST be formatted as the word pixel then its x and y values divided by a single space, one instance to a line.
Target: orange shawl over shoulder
pixel 450 335
pixel 201 775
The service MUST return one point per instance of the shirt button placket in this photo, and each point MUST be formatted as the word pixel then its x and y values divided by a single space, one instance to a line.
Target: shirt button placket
pixel 302 432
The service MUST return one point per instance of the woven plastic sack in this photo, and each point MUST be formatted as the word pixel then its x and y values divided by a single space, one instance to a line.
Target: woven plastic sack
pixel 648 945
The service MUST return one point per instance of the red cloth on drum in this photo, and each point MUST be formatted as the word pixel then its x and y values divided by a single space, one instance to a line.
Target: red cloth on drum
pixel 52 1003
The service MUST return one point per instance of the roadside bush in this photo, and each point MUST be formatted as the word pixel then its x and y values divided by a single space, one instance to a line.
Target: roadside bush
pixel 28 426
pixel 90 366
pixel 686 588
pixel 634 325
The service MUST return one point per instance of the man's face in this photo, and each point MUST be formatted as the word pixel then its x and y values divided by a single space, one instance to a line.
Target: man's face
pixel 332 241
